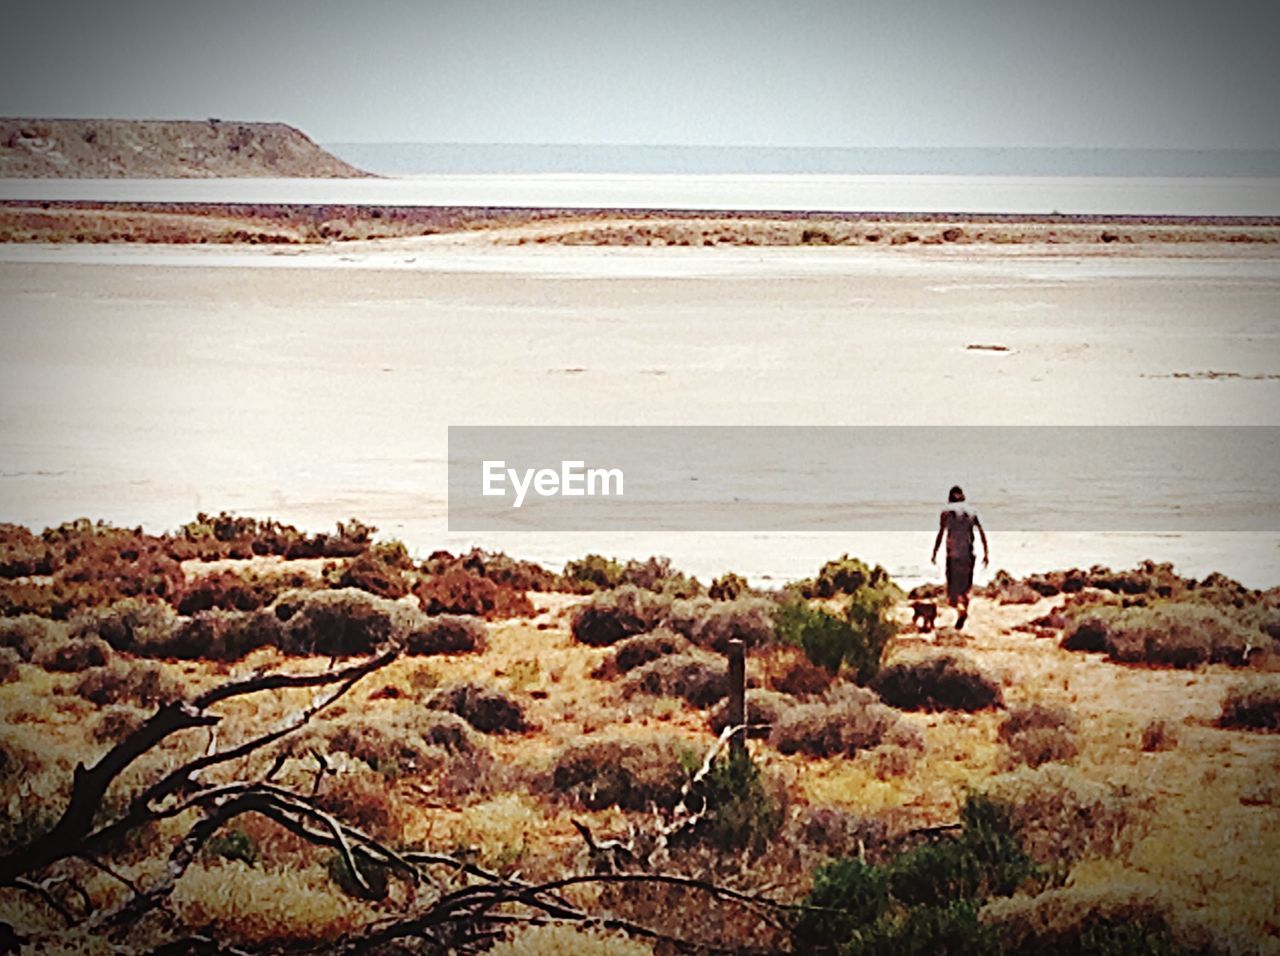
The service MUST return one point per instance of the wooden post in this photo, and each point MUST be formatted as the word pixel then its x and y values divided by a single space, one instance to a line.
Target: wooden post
pixel 738 697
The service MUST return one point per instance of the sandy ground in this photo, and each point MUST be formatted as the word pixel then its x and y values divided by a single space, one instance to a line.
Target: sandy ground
pixel 144 385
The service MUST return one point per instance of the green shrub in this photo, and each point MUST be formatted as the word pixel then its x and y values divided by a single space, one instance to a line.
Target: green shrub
pixel 923 901
pixel 597 573
pixel 986 860
pixel 593 572
pixel 848 898
pixel 855 639
pixel 952 928
pixel 742 812
pixel 846 576
pixel 385 570
pixel 376 877
pixel 234 844
pixel 728 587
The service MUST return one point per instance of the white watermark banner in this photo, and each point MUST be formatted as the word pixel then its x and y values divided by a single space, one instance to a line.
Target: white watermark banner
pixel 872 478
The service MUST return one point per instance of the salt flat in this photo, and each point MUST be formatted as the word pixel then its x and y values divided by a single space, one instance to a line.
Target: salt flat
pixel 141 385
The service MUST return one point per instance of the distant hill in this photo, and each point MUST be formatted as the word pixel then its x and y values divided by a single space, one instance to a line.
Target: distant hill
pixel 169 149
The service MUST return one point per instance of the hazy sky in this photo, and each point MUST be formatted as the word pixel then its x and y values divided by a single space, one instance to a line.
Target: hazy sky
pixel 1109 73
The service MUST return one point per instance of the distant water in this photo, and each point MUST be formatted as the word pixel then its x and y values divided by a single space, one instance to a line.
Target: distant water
pixel 853 193
pixel 401 159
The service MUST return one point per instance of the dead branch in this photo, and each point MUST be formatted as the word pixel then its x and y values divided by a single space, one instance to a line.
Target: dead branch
pixel 72 834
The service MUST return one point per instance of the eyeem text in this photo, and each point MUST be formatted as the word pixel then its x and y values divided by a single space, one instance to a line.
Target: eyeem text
pixel 572 479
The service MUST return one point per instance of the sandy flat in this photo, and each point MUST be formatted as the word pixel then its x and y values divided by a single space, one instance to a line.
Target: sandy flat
pixel 143 385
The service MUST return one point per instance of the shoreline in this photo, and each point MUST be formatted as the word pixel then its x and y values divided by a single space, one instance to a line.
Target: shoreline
pixel 316 224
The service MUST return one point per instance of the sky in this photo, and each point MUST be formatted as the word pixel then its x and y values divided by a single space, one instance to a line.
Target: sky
pixel 907 73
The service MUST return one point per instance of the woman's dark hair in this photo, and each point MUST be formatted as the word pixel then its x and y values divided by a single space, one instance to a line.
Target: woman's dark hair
pixel 956 494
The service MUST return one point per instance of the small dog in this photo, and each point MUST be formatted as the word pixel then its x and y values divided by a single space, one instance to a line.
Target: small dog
pixel 924 615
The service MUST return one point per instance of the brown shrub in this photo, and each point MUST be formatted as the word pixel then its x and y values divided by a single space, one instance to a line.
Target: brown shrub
pixel 397 745
pixel 944 682
pixel 102 565
pixel 76 654
pixel 632 652
pixel 210 537
pixel 695 679
pixel 1169 633
pixel 135 626
pixel 27 633
pixel 1088 634
pixel 628 772
pixel 894 760
pixel 141 682
pixel 845 720
pixel 764 711
pixel 614 615
pixel 838 832
pixel 364 801
pixel 610 617
pixel 802 678
pixel 1252 709
pixel 117 721
pixel 221 635
pixel 1036 716
pixel 236 590
pixel 462 592
pixel 484 709
pixel 10 665
pixel 499 568
pixel 23 553
pixel 1075 920
pixel 448 634
pixel 343 622
pixel 713 624
pixel 1042 745
pixel 1062 815
pixel 1008 590
pixel 1158 735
